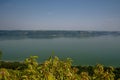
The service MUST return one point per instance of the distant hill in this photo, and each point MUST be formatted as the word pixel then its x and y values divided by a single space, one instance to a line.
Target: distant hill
pixel 19 34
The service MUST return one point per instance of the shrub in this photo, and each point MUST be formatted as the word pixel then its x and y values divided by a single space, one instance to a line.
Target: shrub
pixel 56 69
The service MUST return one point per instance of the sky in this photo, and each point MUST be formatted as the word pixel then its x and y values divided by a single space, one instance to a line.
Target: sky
pixel 100 15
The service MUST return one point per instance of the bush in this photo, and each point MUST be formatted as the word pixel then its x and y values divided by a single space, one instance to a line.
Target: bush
pixel 55 69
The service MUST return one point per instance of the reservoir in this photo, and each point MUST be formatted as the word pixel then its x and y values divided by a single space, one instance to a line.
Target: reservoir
pixel 87 50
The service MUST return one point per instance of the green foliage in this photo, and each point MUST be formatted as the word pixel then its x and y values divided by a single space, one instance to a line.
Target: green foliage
pixel 100 74
pixel 55 69
pixel 0 54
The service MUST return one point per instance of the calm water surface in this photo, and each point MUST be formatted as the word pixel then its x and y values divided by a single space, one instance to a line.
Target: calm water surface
pixel 83 51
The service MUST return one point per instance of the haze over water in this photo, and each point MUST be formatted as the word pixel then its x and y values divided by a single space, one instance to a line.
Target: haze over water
pixel 97 15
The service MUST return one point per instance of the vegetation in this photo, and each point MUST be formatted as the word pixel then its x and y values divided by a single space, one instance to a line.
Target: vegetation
pixel 55 69
pixel 0 54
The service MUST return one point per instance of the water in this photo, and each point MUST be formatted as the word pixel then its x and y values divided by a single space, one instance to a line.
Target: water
pixel 83 51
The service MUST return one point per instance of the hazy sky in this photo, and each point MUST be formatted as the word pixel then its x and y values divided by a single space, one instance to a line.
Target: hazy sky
pixel 60 15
